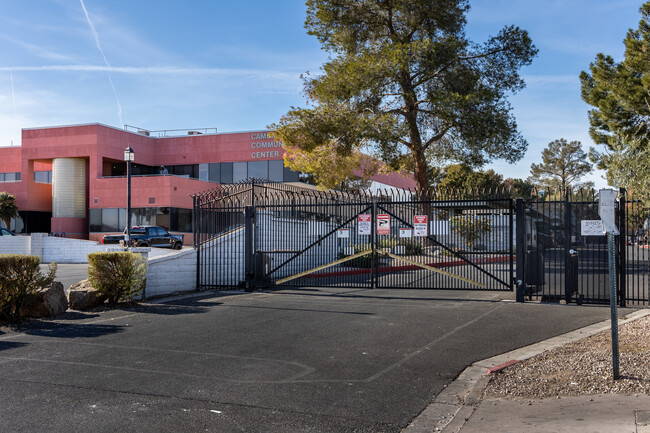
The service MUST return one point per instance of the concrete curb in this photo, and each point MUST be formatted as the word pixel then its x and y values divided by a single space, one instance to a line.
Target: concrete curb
pixel 451 409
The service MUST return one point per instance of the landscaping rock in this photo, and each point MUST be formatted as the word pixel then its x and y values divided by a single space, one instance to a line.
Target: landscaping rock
pixel 82 296
pixel 50 301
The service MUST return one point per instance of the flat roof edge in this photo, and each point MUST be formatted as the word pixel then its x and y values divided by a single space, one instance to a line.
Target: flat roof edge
pixel 37 128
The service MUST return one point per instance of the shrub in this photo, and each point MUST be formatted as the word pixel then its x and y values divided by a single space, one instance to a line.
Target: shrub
pixel 363 261
pixel 19 277
pixel 119 276
pixel 470 227
pixel 412 247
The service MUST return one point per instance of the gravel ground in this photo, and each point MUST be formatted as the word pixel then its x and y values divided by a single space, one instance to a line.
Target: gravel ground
pixel 583 367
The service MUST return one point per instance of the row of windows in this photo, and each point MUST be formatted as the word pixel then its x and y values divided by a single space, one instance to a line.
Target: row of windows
pixel 43 176
pixel 10 177
pixel 233 172
pixel 219 172
pixel 114 219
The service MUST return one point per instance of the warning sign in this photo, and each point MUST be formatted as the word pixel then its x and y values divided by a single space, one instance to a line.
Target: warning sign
pixel 420 225
pixel 383 224
pixel 363 224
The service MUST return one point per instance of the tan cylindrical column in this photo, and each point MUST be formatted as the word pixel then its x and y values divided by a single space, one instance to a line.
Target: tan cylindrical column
pixel 69 188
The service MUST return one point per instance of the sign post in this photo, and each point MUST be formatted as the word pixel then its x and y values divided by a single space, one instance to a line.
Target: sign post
pixel 606 211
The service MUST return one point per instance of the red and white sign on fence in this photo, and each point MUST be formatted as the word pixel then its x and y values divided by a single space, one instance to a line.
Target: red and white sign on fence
pixel 363 224
pixel 420 225
pixel 383 224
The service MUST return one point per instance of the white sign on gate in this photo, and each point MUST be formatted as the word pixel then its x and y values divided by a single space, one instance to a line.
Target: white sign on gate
pixel 591 228
pixel 343 233
pixel 364 224
pixel 607 209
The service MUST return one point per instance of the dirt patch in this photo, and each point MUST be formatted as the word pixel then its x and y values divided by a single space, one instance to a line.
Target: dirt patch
pixel 583 367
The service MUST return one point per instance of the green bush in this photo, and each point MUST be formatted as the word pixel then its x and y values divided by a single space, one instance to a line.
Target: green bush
pixel 470 227
pixel 412 247
pixel 119 276
pixel 19 277
pixel 363 261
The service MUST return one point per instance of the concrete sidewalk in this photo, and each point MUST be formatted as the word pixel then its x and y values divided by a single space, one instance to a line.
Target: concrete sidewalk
pixel 462 408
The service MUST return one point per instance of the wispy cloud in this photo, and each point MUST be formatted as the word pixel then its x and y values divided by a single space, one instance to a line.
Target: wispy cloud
pixel 99 47
pixel 156 70
pixel 38 50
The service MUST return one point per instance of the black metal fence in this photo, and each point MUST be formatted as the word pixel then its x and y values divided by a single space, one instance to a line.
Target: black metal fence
pixel 262 234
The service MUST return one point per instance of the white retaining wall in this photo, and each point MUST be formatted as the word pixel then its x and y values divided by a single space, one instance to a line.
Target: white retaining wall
pixel 60 250
pixel 15 245
pixel 171 273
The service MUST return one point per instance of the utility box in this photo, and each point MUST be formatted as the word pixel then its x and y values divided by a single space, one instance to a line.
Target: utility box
pixel 534 275
pixel 572 287
pixel 261 266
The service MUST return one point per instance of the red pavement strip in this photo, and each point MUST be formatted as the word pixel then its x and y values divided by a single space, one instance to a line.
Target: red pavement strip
pixel 500 259
pixel 501 367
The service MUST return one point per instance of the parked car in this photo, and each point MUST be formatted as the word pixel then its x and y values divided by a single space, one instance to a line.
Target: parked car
pixel 5 232
pixel 148 236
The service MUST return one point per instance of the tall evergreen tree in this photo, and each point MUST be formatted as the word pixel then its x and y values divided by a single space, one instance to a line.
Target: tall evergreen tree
pixel 619 120
pixel 405 83
pixel 563 164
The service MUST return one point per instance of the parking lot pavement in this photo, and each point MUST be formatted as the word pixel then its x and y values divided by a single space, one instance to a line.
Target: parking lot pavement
pixel 301 360
pixel 68 274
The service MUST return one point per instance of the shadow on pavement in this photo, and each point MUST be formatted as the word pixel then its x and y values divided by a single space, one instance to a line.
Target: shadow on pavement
pixel 368 294
pixel 7 345
pixel 66 330
pixel 174 309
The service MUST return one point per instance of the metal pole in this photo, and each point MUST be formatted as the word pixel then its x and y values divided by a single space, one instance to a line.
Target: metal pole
pixel 128 203
pixel 567 245
pixel 612 303
pixel 622 249
pixel 521 248
pixel 373 246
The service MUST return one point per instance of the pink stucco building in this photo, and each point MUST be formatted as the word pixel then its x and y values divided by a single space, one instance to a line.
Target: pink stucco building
pixel 72 179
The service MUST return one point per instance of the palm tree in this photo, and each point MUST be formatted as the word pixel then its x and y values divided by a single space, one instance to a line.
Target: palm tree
pixel 8 208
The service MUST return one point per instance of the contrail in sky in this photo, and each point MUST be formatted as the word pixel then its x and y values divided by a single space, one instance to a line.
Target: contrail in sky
pixel 108 66
pixel 13 93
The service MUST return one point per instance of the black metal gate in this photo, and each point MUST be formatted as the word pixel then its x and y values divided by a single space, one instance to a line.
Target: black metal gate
pixel 264 234
pixel 561 263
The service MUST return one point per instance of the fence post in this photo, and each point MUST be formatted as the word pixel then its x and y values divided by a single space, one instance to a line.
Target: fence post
pixel 622 248
pixel 249 214
pixel 373 247
pixel 195 240
pixel 567 245
pixel 520 248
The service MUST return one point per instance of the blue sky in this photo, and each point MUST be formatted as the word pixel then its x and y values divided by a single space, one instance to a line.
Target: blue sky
pixel 236 65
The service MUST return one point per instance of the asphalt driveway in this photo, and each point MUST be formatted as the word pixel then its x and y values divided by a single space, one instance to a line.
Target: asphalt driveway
pixel 321 360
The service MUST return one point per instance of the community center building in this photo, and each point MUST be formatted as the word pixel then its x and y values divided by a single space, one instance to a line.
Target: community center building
pixel 71 180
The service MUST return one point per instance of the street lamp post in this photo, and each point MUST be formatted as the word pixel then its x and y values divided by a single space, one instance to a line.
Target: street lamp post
pixel 128 157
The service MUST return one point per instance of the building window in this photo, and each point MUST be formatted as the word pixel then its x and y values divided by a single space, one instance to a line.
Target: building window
pixel 290 175
pixel 214 171
pixel 10 177
pixel 276 171
pixel 239 171
pixel 226 172
pixel 258 169
pixel 204 172
pixel 43 176
pixel 114 219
